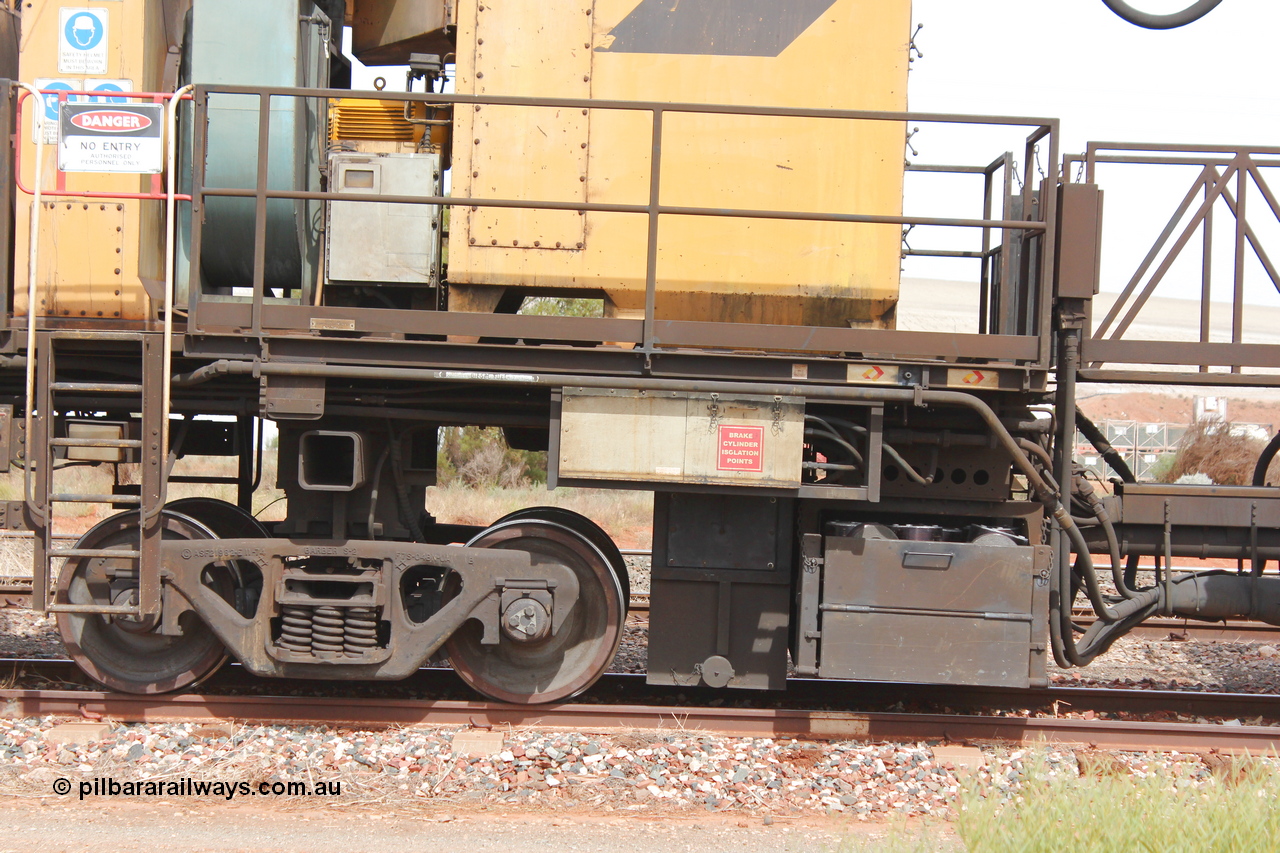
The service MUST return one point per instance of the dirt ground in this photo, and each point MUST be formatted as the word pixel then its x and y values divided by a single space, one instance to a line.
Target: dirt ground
pixel 1149 407
pixel 49 824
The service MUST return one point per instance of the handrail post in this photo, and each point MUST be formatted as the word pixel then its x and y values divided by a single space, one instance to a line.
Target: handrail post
pixel 651 262
pixel 170 235
pixel 37 113
pixel 260 211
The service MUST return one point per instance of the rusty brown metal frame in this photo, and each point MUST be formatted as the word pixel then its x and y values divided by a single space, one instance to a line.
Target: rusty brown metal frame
pixel 989 255
pixel 1029 346
pixel 1220 166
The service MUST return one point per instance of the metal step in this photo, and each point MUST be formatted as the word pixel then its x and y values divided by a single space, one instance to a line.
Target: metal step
pixel 102 609
pixel 127 500
pixel 96 442
pixel 98 387
pixel 94 552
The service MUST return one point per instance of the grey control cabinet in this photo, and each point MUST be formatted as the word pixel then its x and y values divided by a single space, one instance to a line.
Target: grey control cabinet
pixel 375 243
pixel 933 612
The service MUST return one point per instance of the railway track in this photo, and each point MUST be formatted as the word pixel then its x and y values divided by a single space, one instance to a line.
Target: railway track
pixel 810 709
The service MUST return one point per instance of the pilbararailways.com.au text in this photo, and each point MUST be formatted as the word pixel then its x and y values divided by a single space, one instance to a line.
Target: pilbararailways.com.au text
pixel 194 788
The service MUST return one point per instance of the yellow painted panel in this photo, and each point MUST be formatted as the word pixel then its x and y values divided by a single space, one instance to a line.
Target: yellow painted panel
pixel 541 151
pixel 80 248
pixel 853 55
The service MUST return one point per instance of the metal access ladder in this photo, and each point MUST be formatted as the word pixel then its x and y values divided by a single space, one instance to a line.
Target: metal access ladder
pixel 148 398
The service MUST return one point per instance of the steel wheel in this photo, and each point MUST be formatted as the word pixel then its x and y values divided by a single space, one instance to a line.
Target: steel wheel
pixel 225 519
pixel 228 521
pixel 589 530
pixel 126 654
pixel 556 667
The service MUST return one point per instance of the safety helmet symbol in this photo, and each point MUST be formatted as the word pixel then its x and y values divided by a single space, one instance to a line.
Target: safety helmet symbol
pixel 84 31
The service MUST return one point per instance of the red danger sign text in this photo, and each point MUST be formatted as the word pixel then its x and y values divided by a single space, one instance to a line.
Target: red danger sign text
pixel 741 448
pixel 111 121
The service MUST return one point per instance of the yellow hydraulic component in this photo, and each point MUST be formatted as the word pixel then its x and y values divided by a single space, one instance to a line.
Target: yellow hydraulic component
pixel 97 258
pixel 843 54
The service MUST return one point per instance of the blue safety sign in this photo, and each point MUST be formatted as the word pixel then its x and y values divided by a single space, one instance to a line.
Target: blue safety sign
pixel 82 41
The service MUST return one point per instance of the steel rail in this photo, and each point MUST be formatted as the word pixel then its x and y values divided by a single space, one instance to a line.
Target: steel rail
pixel 801 693
pixel 741 722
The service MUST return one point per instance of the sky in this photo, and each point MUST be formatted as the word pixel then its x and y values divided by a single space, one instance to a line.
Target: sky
pixel 1212 82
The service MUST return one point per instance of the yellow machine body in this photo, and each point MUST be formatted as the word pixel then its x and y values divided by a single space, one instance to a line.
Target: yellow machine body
pixel 96 258
pixel 845 54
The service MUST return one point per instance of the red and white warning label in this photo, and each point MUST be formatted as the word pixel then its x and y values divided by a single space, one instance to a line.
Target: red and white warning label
pixel 741 449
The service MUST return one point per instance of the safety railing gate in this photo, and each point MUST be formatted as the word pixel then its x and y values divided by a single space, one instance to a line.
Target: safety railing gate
pixel 47 386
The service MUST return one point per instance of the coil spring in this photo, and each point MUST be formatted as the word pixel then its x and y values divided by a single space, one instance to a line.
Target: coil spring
pixel 361 630
pixel 296 628
pixel 327 633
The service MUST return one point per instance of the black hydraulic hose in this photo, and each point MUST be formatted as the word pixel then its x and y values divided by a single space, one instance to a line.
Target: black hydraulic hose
pixel 1264 461
pixel 813 432
pixel 1189 15
pixel 1044 457
pixel 373 491
pixel 1131 571
pixel 1118 574
pixel 1087 572
pixel 1104 448
pixel 912 474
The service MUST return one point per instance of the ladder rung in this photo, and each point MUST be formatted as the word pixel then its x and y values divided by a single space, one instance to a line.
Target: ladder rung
pixel 104 609
pixel 95 442
pixel 98 387
pixel 94 552
pixel 128 500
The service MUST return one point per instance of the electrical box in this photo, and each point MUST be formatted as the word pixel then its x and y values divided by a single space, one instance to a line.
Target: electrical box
pixel 680 437
pixel 376 243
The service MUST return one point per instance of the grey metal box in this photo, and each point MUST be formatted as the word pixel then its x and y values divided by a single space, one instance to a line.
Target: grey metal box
pixel 369 242
pixel 721 590
pixel 934 612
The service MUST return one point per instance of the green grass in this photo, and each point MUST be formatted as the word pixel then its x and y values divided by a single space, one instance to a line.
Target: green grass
pixel 1177 807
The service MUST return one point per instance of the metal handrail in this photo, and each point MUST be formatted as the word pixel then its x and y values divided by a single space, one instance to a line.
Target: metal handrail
pixel 1220 166
pixel 32 256
pixel 1036 328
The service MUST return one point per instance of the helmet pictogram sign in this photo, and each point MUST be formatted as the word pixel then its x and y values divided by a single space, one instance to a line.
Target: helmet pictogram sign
pixel 82 41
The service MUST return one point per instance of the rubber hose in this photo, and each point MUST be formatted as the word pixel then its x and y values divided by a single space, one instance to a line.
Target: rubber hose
pixel 1146 20
pixel 1118 574
pixel 1131 571
pixel 1264 461
pixel 1104 448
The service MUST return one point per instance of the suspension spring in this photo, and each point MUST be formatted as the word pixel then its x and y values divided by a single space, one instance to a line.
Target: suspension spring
pixel 296 628
pixel 327 634
pixel 361 630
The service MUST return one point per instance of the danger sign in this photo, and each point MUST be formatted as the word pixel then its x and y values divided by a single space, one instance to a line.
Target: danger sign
pixel 116 138
pixel 741 448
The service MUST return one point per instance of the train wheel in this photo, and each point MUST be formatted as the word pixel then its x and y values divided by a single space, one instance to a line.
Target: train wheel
pixel 587 528
pixel 126 654
pixel 550 668
pixel 226 520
